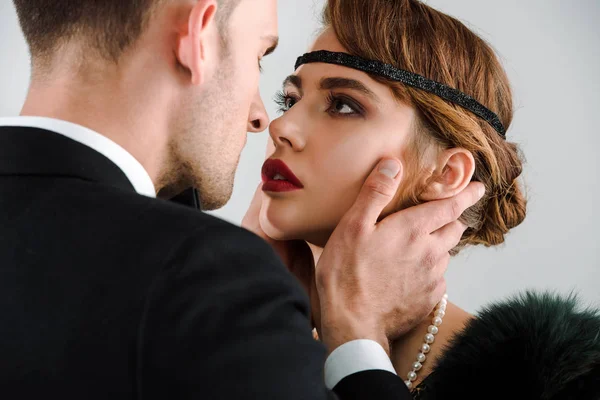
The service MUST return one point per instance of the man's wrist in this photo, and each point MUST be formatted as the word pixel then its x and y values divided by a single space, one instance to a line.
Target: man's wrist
pixel 334 334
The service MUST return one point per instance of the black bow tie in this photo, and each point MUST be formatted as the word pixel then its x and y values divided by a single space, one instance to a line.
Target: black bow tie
pixel 188 197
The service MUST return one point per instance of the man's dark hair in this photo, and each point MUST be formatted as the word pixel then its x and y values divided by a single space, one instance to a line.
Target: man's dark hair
pixel 109 26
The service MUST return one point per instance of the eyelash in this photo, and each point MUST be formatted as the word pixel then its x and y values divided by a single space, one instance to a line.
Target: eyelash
pixel 281 99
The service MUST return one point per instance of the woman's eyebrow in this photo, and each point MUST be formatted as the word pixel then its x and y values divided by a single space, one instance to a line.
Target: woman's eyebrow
pixel 331 83
pixel 346 83
pixel 294 80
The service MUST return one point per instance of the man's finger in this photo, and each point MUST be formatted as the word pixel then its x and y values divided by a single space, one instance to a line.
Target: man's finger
pixel 439 292
pixel 448 237
pixel 377 192
pixel 433 215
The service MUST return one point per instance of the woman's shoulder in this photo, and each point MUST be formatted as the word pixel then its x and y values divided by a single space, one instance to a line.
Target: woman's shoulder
pixel 532 346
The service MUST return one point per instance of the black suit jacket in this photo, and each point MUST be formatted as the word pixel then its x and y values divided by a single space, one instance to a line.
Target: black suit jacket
pixel 107 294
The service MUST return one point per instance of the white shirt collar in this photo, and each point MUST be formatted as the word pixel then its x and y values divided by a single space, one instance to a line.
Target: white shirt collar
pixel 131 167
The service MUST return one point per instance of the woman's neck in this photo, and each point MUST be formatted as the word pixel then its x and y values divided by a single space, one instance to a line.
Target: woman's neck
pixel 405 349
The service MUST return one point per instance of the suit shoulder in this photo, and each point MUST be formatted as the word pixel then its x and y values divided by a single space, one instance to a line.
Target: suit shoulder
pixel 175 217
pixel 202 235
pixel 171 229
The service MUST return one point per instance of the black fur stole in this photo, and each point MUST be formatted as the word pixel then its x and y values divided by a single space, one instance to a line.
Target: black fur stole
pixel 534 346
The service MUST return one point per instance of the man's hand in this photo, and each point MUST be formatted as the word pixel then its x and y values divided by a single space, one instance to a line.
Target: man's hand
pixel 378 280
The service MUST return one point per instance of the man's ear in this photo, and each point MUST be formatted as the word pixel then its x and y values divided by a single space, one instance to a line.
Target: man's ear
pixel 198 49
pixel 453 174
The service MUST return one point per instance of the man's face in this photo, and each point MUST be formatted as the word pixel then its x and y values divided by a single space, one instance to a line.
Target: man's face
pixel 212 128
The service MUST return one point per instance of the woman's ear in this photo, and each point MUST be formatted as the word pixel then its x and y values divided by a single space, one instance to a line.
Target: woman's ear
pixel 199 44
pixel 453 174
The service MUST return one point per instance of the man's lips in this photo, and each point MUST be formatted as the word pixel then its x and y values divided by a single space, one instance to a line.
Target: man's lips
pixel 277 177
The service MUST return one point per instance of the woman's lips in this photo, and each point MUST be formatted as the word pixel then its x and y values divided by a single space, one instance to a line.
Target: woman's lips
pixel 277 177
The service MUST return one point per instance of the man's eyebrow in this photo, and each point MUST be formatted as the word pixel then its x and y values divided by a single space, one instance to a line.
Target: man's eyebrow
pixel 274 40
pixel 346 83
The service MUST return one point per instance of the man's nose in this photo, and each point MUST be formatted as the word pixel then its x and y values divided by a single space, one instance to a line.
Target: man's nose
pixel 258 119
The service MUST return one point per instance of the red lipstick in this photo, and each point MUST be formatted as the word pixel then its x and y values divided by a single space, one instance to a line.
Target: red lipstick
pixel 277 177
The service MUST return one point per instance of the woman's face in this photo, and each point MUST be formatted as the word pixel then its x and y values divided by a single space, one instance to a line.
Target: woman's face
pixel 337 124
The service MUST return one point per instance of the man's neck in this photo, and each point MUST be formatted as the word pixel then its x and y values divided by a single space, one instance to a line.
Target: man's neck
pixel 107 110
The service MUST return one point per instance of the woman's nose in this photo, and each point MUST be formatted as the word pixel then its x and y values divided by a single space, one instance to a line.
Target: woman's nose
pixel 286 132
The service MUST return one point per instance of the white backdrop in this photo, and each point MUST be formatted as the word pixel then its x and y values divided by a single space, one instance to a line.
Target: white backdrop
pixel 551 50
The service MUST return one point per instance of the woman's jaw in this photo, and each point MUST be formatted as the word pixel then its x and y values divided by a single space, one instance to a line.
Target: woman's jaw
pixel 283 216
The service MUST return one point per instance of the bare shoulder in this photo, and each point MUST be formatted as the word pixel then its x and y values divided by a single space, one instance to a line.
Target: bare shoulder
pixel 454 321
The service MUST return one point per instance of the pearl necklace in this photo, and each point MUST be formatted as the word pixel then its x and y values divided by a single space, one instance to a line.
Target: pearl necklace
pixel 432 330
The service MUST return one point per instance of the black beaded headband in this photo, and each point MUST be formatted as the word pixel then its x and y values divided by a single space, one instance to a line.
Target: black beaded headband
pixel 408 78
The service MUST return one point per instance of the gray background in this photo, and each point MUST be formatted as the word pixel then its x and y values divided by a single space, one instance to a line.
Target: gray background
pixel 551 50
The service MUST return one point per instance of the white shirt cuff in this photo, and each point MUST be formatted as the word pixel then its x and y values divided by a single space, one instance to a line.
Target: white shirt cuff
pixel 355 356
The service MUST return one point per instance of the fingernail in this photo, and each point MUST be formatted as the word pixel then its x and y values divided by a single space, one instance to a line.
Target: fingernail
pixel 390 168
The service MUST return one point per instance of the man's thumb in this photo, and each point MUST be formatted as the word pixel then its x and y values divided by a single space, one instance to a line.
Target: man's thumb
pixel 390 168
pixel 377 191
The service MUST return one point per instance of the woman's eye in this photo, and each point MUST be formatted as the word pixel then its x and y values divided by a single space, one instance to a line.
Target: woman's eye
pixel 289 103
pixel 340 107
pixel 343 107
pixel 285 101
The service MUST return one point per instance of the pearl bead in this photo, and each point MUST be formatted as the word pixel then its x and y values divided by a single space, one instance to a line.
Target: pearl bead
pixel 412 376
pixel 432 330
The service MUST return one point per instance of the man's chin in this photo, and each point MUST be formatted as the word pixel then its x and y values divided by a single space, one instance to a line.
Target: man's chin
pixel 213 203
pixel 215 199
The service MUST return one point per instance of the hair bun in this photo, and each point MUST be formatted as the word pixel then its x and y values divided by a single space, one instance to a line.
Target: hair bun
pixel 504 211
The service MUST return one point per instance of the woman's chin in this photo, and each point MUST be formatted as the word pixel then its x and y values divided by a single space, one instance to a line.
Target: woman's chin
pixel 278 232
pixel 278 225
pixel 284 229
pixel 285 221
